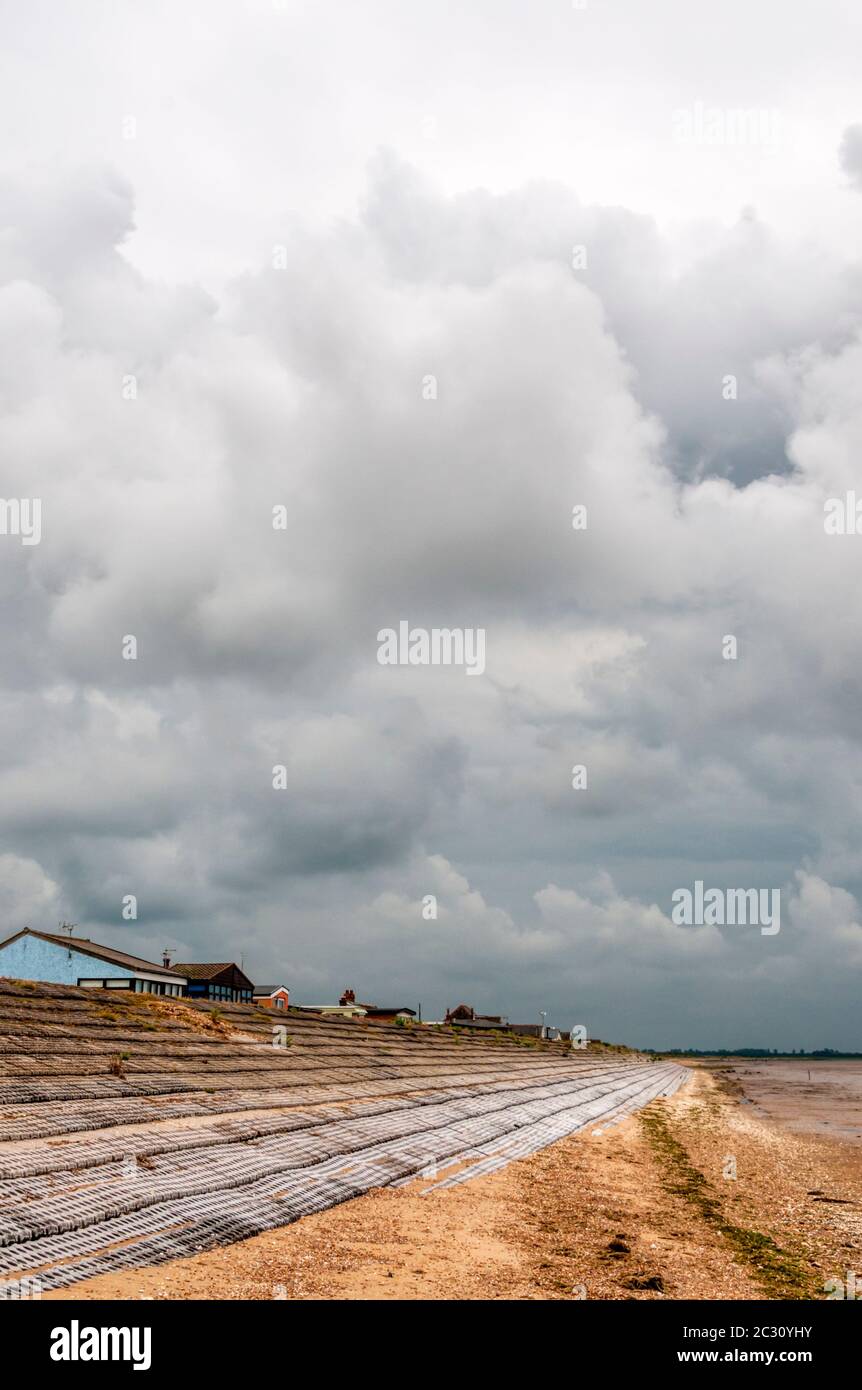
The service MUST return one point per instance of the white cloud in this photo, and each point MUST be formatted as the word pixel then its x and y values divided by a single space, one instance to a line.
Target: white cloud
pixel 302 386
pixel 28 897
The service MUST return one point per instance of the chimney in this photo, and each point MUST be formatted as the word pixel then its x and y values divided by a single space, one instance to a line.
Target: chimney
pixel 348 997
pixel 166 957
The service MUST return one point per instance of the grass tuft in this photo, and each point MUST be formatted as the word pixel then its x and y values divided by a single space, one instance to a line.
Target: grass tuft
pixel 779 1273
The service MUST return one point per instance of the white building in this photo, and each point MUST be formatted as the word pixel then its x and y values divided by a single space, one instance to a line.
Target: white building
pixel 71 960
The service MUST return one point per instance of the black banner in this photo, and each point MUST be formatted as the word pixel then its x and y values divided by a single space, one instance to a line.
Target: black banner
pixel 82 1339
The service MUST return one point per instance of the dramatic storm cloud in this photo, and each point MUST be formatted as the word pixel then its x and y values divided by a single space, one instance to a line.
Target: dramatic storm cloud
pixel 282 377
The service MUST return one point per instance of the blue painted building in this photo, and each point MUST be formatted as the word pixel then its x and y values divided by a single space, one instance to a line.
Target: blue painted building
pixel 70 960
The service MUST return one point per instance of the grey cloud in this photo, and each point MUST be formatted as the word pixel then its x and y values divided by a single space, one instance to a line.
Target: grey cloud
pixel 850 154
pixel 302 387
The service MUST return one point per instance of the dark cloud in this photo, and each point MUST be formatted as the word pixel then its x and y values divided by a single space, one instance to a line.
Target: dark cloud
pixel 161 423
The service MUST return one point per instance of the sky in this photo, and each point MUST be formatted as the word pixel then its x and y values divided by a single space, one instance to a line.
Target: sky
pixel 320 318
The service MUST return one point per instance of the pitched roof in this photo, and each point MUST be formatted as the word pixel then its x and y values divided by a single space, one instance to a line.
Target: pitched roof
pixel 269 989
pixel 214 970
pixel 92 948
pixel 203 970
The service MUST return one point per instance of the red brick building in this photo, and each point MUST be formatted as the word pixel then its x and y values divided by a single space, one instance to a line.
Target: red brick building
pixel 272 996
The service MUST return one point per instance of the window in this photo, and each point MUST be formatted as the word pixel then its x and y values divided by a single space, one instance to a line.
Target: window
pixel 112 983
pixel 279 1003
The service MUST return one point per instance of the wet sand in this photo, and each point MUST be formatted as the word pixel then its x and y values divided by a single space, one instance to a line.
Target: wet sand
pixel 805 1096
